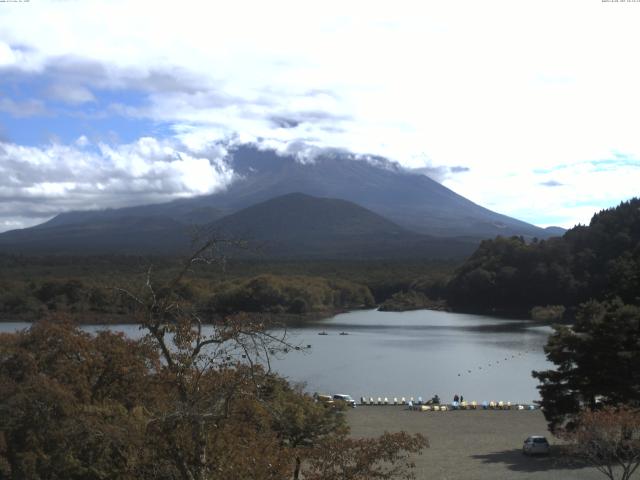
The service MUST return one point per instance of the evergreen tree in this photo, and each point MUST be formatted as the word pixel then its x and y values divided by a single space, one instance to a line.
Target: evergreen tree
pixel 511 276
pixel 596 362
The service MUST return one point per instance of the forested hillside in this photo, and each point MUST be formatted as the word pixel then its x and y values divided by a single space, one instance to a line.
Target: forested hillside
pixel 278 294
pixel 86 288
pixel 600 261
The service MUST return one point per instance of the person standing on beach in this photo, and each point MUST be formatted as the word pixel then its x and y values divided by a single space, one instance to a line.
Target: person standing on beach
pixel 456 398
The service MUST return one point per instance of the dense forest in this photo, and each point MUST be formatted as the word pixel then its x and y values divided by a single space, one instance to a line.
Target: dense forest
pixel 510 276
pixel 89 288
pixel 273 294
pixel 96 302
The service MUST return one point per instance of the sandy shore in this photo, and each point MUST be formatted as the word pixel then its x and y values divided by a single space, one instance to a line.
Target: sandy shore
pixel 481 444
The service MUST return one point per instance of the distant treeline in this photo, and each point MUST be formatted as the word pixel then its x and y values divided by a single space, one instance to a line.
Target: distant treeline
pixel 31 300
pixel 289 294
pixel 505 276
pixel 263 293
pixel 600 261
pixel 91 288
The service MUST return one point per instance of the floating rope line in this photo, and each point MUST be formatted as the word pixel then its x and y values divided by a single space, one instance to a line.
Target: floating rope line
pixel 496 363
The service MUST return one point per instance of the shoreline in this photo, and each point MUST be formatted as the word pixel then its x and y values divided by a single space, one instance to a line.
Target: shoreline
pixel 276 319
pixel 92 318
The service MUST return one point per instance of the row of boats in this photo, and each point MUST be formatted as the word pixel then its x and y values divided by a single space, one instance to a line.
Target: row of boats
pixel 464 405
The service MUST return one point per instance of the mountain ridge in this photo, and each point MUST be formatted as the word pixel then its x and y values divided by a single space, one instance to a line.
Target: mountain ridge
pixel 372 190
pixel 300 225
pixel 294 225
pixel 410 199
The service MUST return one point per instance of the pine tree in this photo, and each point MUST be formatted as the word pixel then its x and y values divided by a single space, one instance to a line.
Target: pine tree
pixel 596 362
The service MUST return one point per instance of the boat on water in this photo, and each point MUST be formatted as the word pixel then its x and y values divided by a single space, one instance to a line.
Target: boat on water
pixel 344 333
pixel 323 333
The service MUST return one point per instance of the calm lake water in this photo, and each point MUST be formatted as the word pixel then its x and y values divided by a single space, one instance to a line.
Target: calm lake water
pixel 418 353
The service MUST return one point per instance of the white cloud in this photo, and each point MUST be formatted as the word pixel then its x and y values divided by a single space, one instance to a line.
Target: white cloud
pixel 82 141
pixel 72 94
pixel 25 60
pixel 7 57
pixel 40 182
pixel 16 222
pixel 502 88
pixel 578 190
pixel 22 109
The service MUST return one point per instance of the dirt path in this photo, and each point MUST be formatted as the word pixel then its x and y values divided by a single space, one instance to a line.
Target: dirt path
pixel 474 445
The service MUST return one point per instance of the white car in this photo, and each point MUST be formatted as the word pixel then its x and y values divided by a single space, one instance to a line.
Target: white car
pixel 535 444
pixel 340 397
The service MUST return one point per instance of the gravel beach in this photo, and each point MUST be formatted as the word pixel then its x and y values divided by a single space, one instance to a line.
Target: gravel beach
pixel 473 444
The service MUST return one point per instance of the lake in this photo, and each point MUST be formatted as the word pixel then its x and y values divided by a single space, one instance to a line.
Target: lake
pixel 417 353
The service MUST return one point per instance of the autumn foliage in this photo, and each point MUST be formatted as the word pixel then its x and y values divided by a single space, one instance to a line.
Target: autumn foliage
pixel 609 439
pixel 75 405
pixel 192 399
pixel 382 458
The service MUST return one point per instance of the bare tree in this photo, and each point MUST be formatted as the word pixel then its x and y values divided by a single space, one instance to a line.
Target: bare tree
pixel 207 365
pixel 191 350
pixel 609 439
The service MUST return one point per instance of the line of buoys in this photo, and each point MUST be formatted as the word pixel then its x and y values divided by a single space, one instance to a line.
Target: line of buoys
pixel 496 363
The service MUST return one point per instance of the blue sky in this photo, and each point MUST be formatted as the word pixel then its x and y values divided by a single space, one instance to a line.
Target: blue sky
pixel 527 108
pixel 40 108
